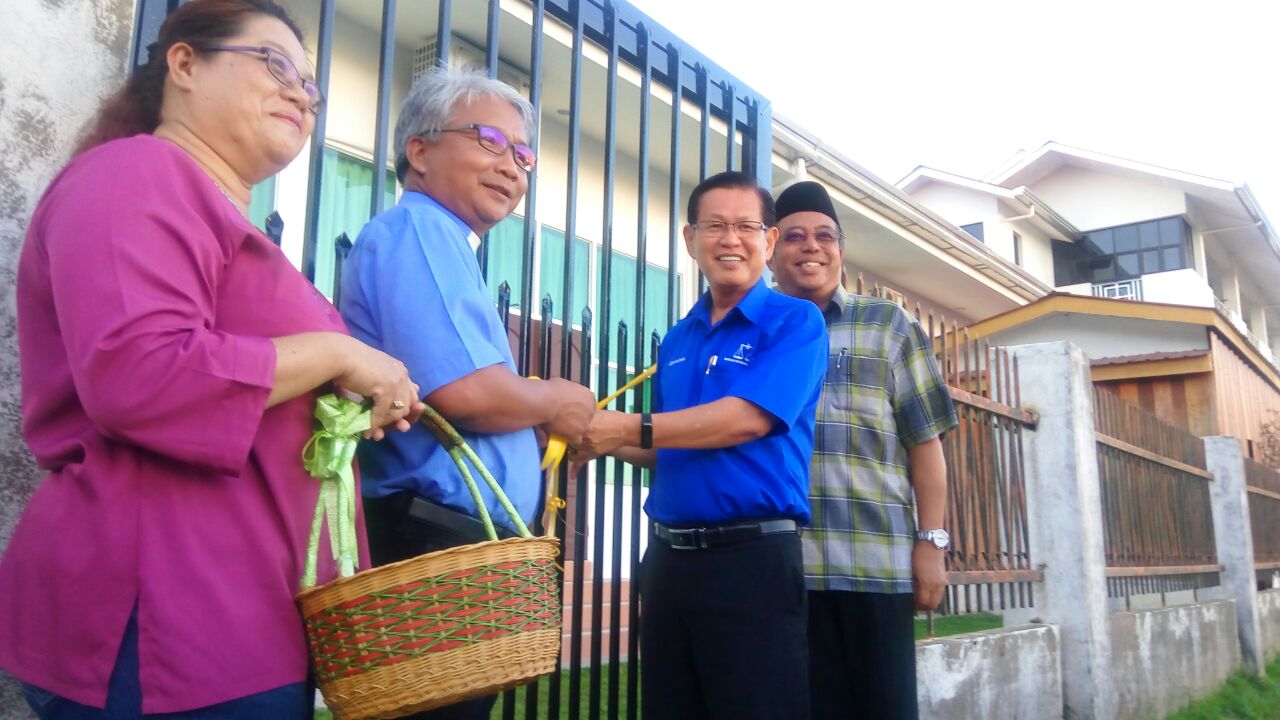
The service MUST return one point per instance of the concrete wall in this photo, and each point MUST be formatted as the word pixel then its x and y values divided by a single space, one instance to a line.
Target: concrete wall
pixel 1162 660
pixel 1269 620
pixel 1179 287
pixel 45 97
pixel 1010 673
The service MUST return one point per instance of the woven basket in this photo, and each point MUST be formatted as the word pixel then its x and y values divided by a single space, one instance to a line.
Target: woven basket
pixel 437 629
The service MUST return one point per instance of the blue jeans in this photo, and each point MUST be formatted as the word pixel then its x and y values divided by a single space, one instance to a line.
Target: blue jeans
pixel 124 697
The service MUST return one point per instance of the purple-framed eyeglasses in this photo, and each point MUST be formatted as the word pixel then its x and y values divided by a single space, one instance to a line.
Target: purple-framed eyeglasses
pixel 492 139
pixel 281 68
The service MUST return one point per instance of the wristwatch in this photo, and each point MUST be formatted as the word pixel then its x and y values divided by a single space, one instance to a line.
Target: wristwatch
pixel 940 538
pixel 646 431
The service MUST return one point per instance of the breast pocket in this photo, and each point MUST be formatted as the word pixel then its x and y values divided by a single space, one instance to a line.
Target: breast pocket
pixel 856 385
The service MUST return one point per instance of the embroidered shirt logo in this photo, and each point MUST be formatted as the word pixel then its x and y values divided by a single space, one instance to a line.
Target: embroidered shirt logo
pixel 742 355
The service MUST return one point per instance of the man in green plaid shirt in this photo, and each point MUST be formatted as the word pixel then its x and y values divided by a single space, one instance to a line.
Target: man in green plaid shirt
pixel 877 469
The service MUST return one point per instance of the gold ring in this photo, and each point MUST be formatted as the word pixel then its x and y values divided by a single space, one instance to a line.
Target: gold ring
pixel 397 404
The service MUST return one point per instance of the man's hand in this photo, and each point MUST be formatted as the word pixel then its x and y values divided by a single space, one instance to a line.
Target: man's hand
pixel 575 406
pixel 607 431
pixel 928 575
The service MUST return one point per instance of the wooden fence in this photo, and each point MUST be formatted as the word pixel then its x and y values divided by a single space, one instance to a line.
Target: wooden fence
pixel 1264 514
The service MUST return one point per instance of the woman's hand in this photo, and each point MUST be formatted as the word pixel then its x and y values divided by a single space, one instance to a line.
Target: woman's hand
pixel 376 375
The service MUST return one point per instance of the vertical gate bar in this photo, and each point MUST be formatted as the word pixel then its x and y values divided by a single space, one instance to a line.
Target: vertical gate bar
pixel 491 62
pixel 531 197
pixel 324 60
pixel 638 519
pixel 606 322
pixel 704 140
pixel 491 39
pixel 571 185
pixel 566 337
pixel 677 96
pixel 444 33
pixel 615 557
pixel 637 396
pixel 730 107
pixel 579 542
pixel 386 64
pixel 757 150
pixel 341 248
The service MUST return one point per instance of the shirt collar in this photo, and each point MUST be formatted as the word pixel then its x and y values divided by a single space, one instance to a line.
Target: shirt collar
pixel 413 197
pixel 751 305
pixel 837 302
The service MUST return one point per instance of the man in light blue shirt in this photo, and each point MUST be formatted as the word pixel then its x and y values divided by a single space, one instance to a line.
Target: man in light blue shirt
pixel 412 288
pixel 722 584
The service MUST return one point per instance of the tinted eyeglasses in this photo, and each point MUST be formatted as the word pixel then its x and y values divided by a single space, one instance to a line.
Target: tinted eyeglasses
pixel 824 236
pixel 282 69
pixel 492 139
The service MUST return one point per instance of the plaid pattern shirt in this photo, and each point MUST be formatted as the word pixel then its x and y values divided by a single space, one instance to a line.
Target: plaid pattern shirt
pixel 883 393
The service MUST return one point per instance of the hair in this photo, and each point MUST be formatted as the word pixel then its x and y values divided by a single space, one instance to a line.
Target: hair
pixel 434 96
pixel 135 107
pixel 735 180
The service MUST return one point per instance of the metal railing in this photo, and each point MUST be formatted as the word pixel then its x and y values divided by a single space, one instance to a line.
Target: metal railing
pixel 1155 502
pixel 1264 514
pixel 989 562
pixel 605 346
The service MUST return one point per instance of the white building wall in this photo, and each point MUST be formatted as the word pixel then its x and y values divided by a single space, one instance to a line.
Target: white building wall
pixel 1102 337
pixel 958 205
pixel 1037 249
pixel 1091 200
pixel 1179 287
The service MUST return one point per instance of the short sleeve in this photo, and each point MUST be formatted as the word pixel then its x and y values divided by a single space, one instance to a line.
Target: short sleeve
pixel 922 406
pixel 787 369
pixel 417 302
pixel 136 248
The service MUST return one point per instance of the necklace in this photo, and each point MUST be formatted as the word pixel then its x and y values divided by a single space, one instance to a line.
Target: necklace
pixel 230 199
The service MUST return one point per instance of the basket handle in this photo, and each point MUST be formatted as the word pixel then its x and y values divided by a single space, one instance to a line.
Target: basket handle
pixel 458 450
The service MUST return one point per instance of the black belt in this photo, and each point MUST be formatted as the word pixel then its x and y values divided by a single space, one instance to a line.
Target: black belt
pixel 702 538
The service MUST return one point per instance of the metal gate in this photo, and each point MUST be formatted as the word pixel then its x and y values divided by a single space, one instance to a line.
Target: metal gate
pixel 711 121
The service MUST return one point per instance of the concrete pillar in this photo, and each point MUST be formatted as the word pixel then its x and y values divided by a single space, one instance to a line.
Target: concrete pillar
pixel 1064 519
pixel 1231 290
pixel 1197 255
pixel 1231 528
pixel 1258 325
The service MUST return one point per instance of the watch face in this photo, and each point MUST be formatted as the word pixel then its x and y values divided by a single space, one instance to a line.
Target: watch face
pixel 940 539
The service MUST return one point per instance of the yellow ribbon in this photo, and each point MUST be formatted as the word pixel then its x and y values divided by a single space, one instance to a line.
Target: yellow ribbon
pixel 557 446
pixel 328 456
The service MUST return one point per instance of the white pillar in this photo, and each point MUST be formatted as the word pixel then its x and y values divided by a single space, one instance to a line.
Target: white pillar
pixel 1232 532
pixel 1064 519
pixel 1231 289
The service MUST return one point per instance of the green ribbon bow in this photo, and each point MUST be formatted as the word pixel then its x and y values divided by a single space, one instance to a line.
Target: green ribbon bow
pixel 328 456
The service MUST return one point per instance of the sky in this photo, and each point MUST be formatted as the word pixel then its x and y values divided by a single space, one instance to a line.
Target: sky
pixel 961 86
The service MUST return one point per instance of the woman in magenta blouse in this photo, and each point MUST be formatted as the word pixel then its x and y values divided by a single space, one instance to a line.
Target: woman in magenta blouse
pixel 171 356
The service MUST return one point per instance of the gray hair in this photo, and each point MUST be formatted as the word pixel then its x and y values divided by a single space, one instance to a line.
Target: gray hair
pixel 434 96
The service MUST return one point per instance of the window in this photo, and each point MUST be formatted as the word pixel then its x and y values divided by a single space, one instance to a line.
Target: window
pixel 551 278
pixel 974 229
pixel 262 202
pixel 622 294
pixel 1017 249
pixel 506 257
pixel 346 187
pixel 1123 252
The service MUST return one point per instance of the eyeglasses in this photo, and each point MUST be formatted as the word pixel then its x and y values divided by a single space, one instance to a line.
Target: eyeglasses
pixel 824 236
pixel 282 69
pixel 715 229
pixel 492 139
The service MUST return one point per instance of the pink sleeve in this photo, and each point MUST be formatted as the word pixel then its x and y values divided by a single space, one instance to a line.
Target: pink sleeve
pixel 135 262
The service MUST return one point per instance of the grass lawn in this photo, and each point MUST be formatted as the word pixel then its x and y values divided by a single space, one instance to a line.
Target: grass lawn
pixel 944 625
pixel 1241 698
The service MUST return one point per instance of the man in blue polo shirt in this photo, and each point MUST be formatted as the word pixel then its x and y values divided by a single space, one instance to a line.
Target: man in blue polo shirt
pixel 412 287
pixel 723 614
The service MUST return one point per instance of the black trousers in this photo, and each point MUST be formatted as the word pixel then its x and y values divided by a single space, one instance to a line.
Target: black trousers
pixel 862 655
pixel 395 535
pixel 722 631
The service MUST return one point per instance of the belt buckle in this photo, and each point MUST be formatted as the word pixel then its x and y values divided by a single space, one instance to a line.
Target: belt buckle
pixel 697 538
